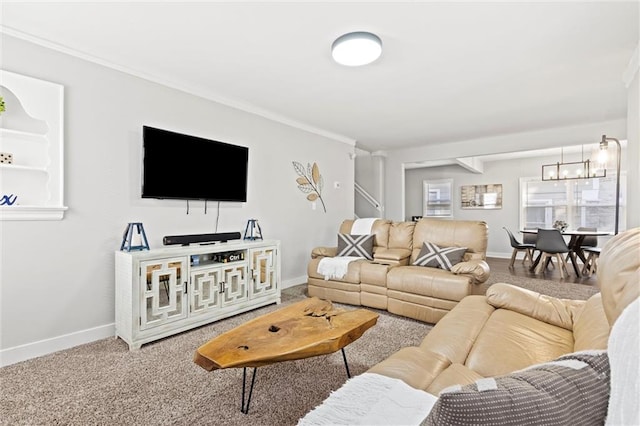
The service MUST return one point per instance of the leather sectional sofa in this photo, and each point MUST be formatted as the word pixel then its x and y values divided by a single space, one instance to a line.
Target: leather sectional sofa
pixel 514 356
pixel 391 282
pixel 511 328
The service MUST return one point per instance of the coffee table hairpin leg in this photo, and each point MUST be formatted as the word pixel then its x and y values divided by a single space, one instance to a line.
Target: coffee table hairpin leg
pixel 245 408
pixel 344 356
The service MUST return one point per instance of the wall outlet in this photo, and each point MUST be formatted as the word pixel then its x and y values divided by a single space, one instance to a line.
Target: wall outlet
pixel 6 158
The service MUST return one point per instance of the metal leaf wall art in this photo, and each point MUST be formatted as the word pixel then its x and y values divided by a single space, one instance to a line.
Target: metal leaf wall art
pixel 310 181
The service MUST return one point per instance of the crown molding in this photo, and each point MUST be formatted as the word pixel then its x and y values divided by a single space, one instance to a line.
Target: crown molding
pixel 195 91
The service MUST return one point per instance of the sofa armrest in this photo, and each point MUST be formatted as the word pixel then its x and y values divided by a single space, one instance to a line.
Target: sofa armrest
pixel 392 256
pixel 416 366
pixel 473 256
pixel 324 252
pixel 478 269
pixel 558 312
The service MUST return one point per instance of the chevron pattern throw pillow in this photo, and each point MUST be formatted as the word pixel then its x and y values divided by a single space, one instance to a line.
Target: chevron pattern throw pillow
pixel 355 245
pixel 439 257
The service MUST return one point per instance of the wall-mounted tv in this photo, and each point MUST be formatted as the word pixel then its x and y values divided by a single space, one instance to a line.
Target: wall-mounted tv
pixel 186 167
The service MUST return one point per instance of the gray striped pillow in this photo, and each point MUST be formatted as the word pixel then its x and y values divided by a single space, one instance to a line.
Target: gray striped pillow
pixel 355 245
pixel 572 390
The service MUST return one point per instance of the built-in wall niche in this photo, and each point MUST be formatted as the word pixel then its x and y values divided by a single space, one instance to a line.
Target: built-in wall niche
pixel 31 149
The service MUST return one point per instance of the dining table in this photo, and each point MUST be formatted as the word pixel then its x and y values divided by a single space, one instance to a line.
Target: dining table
pixel 576 239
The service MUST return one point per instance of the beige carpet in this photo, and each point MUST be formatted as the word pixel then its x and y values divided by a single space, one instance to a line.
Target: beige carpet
pixel 103 383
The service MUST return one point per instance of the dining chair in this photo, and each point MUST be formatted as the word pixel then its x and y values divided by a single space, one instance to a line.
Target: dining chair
pixel 518 246
pixel 551 244
pixel 587 241
pixel 529 238
pixel 591 265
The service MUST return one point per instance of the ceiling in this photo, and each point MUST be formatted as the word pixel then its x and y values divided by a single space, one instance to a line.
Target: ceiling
pixel 449 71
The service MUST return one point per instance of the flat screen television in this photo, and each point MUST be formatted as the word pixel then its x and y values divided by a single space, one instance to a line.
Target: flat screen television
pixel 185 167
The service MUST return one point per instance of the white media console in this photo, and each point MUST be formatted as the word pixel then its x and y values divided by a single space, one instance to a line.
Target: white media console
pixel 166 291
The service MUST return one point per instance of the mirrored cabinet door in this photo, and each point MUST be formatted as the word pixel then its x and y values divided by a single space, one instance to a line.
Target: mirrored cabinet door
pixel 263 267
pixel 163 295
pixel 206 288
pixel 234 285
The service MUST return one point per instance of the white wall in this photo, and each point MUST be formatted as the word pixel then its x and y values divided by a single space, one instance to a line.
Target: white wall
pixel 505 172
pixel 632 77
pixel 548 138
pixel 57 284
pixel 623 128
pixel 369 174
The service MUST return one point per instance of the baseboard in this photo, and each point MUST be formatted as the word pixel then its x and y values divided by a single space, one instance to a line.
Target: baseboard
pixel 499 255
pixel 44 347
pixel 294 282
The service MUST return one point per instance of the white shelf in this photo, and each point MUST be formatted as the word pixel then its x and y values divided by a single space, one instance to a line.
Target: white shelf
pixel 18 167
pixel 21 134
pixel 32 130
pixel 32 213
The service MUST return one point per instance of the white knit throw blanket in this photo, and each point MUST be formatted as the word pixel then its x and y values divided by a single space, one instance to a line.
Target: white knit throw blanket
pixel 624 358
pixel 335 267
pixel 372 399
pixel 362 226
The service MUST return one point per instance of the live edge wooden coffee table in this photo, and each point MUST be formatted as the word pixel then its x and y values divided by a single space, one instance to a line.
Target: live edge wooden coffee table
pixel 305 329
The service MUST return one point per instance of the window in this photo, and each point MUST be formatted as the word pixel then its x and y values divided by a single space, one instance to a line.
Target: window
pixel 437 198
pixel 579 202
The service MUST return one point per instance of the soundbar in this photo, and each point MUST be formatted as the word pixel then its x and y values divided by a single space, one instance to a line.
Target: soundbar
pixel 185 240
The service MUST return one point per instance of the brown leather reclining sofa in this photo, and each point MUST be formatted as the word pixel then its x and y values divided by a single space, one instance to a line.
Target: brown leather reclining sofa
pixel 391 282
pixel 512 328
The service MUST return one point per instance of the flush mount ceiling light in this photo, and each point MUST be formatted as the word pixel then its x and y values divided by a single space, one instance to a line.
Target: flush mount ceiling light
pixel 357 48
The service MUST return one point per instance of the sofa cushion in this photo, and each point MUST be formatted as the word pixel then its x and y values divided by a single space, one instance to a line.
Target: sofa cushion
pixel 355 245
pixel 416 366
pixel 590 327
pixel 559 312
pixel 455 374
pixel 439 257
pixel 456 333
pixel 379 229
pixel 448 233
pixel 430 282
pixel 510 341
pixel 573 389
pixel 398 256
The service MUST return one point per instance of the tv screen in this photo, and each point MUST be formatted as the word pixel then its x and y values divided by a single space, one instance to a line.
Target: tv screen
pixel 187 167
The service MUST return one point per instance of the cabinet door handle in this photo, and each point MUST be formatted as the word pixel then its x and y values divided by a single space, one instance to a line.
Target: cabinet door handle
pixel 186 287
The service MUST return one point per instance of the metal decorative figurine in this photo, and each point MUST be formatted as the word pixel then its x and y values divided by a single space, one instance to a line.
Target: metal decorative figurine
pixel 252 231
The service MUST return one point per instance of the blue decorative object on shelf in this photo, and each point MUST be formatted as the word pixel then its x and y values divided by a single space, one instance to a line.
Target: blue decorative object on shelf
pixel 8 199
pixel 127 237
pixel 252 230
